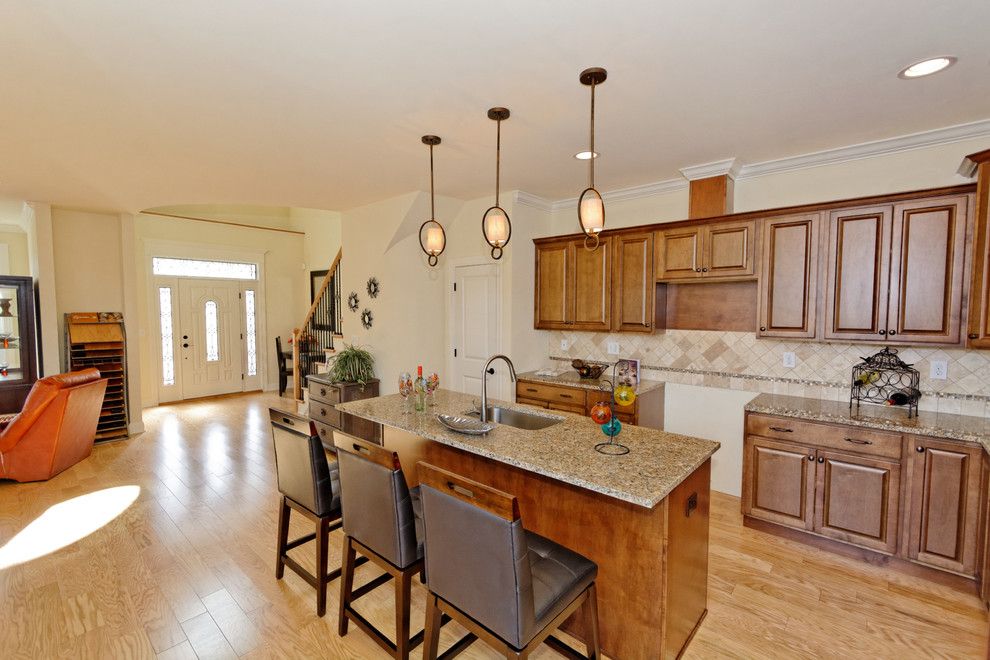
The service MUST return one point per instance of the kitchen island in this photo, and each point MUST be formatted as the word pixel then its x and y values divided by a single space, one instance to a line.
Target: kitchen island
pixel 642 517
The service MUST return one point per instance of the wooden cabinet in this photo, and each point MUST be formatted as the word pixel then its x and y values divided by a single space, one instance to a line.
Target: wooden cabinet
pixel 978 332
pixel 984 565
pixel 722 250
pixel 646 410
pixel 856 499
pixel 573 286
pixel 324 395
pixel 779 482
pixel 944 504
pixel 18 352
pixel 895 272
pixel 789 276
pixel 633 283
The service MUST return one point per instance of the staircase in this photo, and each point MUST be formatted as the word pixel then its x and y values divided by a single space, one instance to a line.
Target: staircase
pixel 323 324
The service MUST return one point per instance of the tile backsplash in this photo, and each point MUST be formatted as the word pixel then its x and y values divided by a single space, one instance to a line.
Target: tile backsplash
pixel 738 360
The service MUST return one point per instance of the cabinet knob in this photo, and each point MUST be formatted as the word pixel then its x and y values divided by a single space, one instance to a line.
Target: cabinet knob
pixel 812 458
pixel 705 269
pixel 697 270
pixel 763 328
pixel 821 459
pixel 892 333
pixel 973 335
pixel 882 332
pixel 920 450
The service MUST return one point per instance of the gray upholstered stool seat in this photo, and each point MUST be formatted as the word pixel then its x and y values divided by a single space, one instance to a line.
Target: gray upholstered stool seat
pixel 559 576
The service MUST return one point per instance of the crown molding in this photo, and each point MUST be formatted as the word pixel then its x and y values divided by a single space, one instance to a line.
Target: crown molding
pixel 708 170
pixel 633 192
pixel 947 135
pixel 532 201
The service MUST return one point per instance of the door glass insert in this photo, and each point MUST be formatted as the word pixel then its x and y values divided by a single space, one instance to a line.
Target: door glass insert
pixel 250 335
pixel 165 318
pixel 212 332
pixel 229 270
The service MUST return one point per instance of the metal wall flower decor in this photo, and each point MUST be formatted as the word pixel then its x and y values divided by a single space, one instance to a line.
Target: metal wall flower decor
pixel 591 207
pixel 353 301
pixel 374 288
pixel 432 238
pixel 367 319
pixel 495 224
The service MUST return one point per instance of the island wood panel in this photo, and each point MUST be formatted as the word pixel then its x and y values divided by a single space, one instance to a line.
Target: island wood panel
pixel 789 282
pixel 633 283
pixel 678 253
pixel 729 249
pixel 856 500
pixel 652 573
pixel 592 287
pixel 858 271
pixel 944 504
pixel 553 282
pixel 979 300
pixel 926 281
pixel 779 482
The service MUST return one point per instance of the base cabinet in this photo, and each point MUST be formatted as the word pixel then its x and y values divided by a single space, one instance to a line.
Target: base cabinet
pixel 857 500
pixel 779 482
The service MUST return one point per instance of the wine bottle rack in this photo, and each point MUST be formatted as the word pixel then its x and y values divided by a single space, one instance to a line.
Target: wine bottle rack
pixel 97 339
pixel 884 378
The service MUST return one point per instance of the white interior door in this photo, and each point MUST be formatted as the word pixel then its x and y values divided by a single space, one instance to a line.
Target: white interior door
pixel 475 332
pixel 210 337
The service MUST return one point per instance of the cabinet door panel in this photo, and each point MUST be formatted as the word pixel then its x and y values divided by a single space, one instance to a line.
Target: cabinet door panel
pixel 926 272
pixel 856 289
pixel 553 284
pixel 979 297
pixel 945 504
pixel 678 253
pixel 592 286
pixel 729 249
pixel 856 500
pixel 634 288
pixel 778 482
pixel 789 276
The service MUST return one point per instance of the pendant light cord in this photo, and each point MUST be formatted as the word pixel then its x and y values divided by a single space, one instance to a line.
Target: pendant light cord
pixel 592 159
pixel 498 158
pixel 433 211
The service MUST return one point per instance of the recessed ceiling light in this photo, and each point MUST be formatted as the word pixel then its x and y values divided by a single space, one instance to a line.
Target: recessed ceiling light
pixel 586 155
pixel 927 67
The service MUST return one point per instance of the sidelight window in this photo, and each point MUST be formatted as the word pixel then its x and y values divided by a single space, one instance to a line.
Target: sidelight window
pixel 251 334
pixel 165 318
pixel 212 332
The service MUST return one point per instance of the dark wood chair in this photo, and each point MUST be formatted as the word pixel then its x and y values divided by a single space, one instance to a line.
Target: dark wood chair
pixel 310 486
pixel 508 586
pixel 284 369
pixel 381 523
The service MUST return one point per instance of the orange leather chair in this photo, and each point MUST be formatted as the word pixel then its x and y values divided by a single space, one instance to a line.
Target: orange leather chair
pixel 56 427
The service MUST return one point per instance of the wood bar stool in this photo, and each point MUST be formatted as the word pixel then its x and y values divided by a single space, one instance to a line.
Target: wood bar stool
pixel 310 486
pixel 510 587
pixel 380 522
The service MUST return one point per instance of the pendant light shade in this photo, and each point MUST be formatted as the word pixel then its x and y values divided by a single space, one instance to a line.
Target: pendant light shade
pixel 495 224
pixel 432 238
pixel 591 206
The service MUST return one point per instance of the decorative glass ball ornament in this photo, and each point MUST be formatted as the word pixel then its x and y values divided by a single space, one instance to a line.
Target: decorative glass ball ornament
pixel 612 427
pixel 601 413
pixel 625 395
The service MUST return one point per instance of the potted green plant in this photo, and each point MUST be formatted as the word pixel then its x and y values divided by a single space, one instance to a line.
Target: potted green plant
pixel 352 365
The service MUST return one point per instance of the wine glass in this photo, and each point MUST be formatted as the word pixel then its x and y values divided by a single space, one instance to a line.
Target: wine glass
pixel 432 385
pixel 405 389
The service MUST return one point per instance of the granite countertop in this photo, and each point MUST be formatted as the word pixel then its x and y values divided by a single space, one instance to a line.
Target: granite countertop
pixel 939 425
pixel 571 379
pixel 656 464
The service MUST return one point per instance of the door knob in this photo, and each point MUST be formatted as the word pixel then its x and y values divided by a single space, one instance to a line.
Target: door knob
pixel 185 346
pixel 491 370
pixel 185 336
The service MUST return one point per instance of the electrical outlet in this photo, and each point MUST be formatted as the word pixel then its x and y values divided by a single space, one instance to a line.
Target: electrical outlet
pixel 939 370
pixel 564 344
pixel 789 360
pixel 613 348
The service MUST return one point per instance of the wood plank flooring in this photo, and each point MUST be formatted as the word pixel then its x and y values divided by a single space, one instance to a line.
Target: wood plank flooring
pixel 187 570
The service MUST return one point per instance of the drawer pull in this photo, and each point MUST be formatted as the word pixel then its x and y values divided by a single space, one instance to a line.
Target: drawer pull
pixel 857 441
pixel 781 429
pixel 323 412
pixel 566 396
pixel 531 389
pixel 323 391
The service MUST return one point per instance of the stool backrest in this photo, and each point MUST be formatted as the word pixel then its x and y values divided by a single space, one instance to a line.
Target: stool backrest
pixel 378 510
pixel 477 558
pixel 301 465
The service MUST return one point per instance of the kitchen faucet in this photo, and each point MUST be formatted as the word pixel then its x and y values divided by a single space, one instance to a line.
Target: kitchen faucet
pixel 484 381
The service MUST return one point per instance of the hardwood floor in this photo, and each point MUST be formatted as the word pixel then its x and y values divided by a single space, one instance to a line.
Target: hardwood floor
pixel 187 570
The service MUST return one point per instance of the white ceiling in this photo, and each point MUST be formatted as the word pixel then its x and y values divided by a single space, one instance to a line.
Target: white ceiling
pixel 321 104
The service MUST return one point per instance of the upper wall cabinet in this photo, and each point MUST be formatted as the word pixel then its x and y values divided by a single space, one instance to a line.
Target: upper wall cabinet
pixel 633 285
pixel 723 250
pixel 895 272
pixel 789 282
pixel 978 335
pixel 573 286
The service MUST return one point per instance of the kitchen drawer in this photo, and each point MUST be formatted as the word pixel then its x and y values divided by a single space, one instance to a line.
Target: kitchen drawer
pixel 570 396
pixel 324 413
pixel 577 409
pixel 833 436
pixel 325 393
pixel 325 432
pixel 531 402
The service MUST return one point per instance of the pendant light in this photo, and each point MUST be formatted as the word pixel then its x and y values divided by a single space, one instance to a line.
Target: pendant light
pixel 432 238
pixel 591 207
pixel 495 224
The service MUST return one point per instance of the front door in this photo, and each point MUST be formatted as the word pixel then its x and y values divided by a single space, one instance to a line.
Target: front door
pixel 475 332
pixel 210 337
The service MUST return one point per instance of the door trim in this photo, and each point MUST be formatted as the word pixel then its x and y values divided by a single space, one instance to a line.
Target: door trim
pixel 452 266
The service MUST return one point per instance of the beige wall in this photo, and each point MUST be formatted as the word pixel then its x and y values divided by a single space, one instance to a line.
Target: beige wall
pixel 323 239
pixel 17 252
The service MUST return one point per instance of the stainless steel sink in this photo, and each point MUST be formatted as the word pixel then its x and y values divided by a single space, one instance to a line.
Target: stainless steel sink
pixel 518 418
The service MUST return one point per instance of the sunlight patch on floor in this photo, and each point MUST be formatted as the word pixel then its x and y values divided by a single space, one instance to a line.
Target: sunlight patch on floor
pixel 65 523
